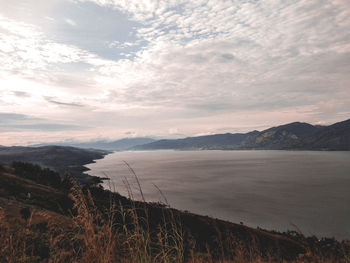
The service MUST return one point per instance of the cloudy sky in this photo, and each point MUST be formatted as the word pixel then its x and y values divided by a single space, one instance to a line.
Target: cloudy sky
pixel 86 69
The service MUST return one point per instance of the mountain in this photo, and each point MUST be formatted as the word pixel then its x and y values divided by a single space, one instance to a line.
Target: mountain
pixel 281 137
pixel 61 159
pixel 333 137
pixel 118 145
pixel 292 136
pixel 216 141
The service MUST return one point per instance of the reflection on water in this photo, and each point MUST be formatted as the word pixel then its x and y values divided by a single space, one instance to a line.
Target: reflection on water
pixel 270 189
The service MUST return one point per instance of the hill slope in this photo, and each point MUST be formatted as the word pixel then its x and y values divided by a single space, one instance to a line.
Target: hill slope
pixel 216 141
pixel 333 137
pixel 58 158
pixel 286 136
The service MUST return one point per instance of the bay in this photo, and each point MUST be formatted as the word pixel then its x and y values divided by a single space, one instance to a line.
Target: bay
pixel 275 190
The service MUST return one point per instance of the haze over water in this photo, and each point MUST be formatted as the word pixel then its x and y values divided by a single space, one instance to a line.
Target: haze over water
pixel 269 189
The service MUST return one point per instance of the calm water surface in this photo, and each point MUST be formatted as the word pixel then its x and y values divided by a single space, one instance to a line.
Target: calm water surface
pixel 270 189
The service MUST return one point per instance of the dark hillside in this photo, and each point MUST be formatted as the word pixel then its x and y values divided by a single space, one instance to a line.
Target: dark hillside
pixel 216 141
pixel 333 137
pixel 58 158
pixel 19 188
pixel 281 137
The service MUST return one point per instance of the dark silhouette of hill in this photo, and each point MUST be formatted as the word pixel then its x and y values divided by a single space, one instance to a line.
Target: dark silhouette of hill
pixel 292 136
pixel 58 158
pixel 118 145
pixel 333 137
pixel 216 141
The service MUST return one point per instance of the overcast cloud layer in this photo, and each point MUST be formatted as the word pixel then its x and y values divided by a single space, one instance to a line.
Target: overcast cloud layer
pixel 87 69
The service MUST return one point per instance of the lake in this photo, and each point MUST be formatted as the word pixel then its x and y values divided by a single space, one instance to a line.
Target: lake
pixel 275 190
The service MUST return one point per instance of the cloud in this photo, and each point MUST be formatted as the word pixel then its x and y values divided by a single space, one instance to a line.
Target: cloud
pixel 70 22
pixel 22 122
pixel 21 94
pixel 24 50
pixel 151 65
pixel 10 117
pixel 60 103
pixel 42 127
pixel 267 54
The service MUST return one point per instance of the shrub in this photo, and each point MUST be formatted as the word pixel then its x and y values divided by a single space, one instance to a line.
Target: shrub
pixel 37 174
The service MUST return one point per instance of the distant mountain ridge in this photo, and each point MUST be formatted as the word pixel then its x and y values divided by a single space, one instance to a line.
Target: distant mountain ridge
pixel 216 141
pixel 333 137
pixel 117 145
pixel 292 136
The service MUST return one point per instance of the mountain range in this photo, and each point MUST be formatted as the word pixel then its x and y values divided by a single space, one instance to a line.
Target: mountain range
pixel 292 136
pixel 117 145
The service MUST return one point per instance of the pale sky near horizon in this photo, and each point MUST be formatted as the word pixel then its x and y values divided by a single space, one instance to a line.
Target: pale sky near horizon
pixel 88 69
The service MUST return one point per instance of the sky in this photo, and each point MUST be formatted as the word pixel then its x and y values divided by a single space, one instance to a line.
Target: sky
pixel 108 69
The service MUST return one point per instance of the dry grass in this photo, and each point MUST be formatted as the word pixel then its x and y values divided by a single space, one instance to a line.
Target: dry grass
pixel 121 234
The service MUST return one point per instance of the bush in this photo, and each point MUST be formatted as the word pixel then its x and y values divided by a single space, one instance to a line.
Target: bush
pixel 37 174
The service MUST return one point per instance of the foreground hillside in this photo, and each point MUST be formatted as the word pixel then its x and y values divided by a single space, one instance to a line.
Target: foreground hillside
pixel 292 136
pixel 46 220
